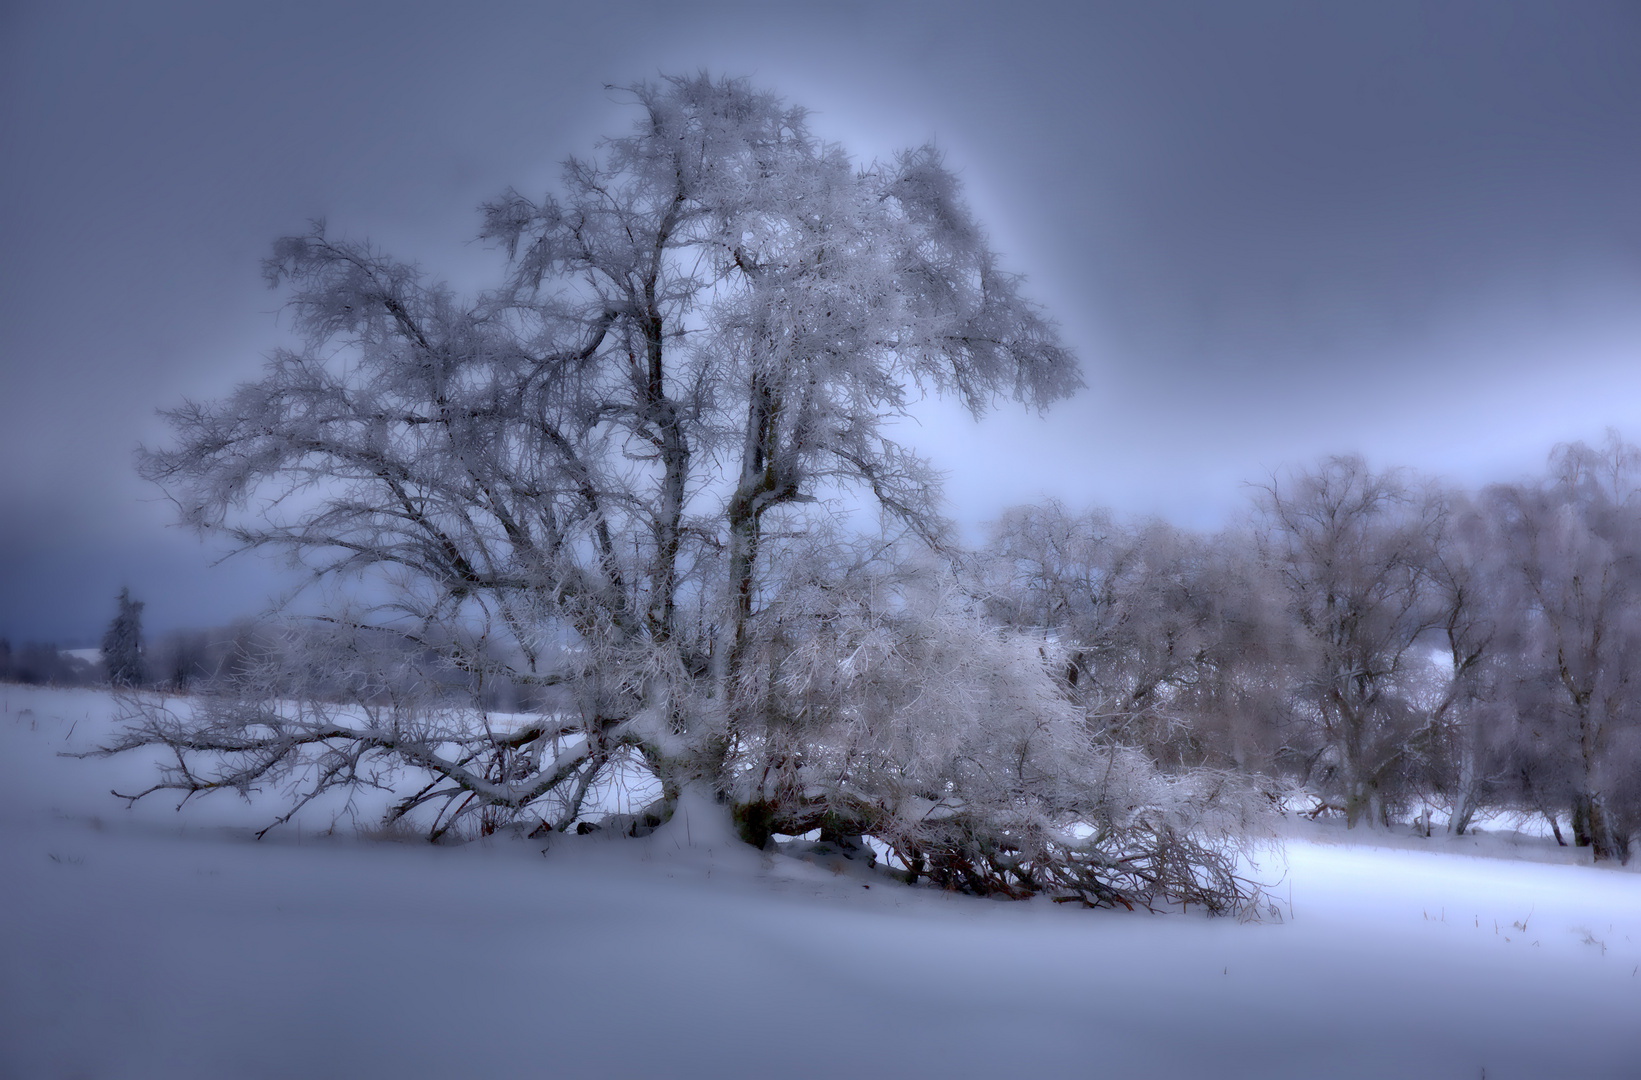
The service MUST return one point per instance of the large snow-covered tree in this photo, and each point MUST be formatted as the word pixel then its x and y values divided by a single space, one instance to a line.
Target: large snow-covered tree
pixel 572 483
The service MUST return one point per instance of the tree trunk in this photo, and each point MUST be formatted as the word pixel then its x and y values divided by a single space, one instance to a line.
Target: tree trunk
pixel 1595 827
pixel 1582 836
pixel 1360 795
pixel 1464 811
pixel 1468 796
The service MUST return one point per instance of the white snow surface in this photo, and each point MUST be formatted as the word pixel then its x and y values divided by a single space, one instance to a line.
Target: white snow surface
pixel 163 943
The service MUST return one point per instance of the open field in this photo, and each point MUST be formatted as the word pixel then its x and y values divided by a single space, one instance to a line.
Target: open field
pixel 157 943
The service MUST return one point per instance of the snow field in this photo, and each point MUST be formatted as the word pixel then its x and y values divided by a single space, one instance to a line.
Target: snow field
pixel 153 943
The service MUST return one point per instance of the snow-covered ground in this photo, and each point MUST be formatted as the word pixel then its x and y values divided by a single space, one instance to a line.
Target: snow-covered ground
pixel 158 943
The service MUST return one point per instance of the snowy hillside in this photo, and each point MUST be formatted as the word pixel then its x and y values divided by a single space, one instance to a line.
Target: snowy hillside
pixel 158 943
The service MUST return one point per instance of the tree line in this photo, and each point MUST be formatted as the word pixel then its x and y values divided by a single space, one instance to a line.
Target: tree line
pixel 1384 643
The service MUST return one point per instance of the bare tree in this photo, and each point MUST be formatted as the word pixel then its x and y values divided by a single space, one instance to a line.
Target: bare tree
pixel 1168 639
pixel 182 659
pixel 1479 638
pixel 1574 544
pixel 1352 549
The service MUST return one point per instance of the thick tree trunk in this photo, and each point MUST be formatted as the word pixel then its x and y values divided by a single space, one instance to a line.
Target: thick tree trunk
pixel 1464 812
pixel 675 458
pixel 755 488
pixel 1361 796
pixel 1468 795
pixel 1378 815
pixel 1597 828
pixel 1581 820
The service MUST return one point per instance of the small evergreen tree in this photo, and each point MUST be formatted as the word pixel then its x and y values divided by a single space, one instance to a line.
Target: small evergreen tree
pixel 122 643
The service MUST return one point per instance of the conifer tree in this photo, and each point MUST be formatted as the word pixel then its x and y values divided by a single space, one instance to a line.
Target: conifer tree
pixel 122 643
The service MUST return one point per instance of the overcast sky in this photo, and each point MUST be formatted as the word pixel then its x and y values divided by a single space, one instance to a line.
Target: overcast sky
pixel 1271 231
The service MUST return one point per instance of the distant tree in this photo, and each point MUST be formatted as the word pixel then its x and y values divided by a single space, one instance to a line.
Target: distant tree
pixel 123 645
pixel 43 663
pixel 1164 636
pixel 1478 638
pixel 1573 542
pixel 1352 550
pixel 181 659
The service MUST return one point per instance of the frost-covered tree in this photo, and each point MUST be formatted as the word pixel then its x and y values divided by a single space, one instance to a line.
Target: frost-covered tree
pixel 181 659
pixel 567 482
pixel 1352 550
pixel 122 644
pixel 614 483
pixel 1169 640
pixel 1477 641
pixel 1112 595
pixel 1573 545
pixel 889 704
